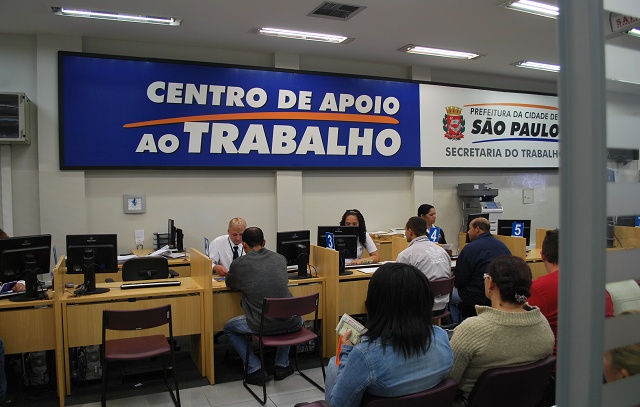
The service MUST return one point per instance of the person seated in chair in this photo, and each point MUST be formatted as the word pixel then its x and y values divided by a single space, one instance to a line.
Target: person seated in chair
pixel 622 362
pixel 472 264
pixel 427 256
pixel 259 274
pixel 226 248
pixel 402 352
pixel 507 333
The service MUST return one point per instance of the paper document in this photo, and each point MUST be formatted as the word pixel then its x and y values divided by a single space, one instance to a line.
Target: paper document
pixel 123 258
pixel 347 323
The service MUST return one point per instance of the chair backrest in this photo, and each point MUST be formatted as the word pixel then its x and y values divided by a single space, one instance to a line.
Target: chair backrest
pixel 521 386
pixel 145 268
pixel 442 287
pixel 131 320
pixel 288 307
pixel 441 395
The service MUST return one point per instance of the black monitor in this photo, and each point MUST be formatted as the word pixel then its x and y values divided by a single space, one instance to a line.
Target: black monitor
pixel 505 228
pixel 295 246
pixel 24 257
pixel 91 254
pixel 175 236
pixel 346 243
pixel 629 220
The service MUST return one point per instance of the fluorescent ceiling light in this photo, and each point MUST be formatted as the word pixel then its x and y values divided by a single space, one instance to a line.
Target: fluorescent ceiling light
pixel 436 52
pixel 103 15
pixel 635 32
pixel 533 7
pixel 301 35
pixel 538 65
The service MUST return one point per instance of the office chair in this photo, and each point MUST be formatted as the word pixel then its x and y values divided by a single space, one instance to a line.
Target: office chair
pixel 521 386
pixel 442 287
pixel 146 268
pixel 286 308
pixel 139 347
pixel 441 395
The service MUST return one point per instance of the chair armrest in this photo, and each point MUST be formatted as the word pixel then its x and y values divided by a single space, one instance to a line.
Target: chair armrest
pixel 173 273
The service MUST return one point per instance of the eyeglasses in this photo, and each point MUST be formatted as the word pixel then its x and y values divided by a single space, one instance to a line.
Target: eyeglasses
pixel 486 275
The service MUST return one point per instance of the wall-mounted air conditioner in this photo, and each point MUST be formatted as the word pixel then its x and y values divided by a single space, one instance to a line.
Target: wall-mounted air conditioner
pixel 15 118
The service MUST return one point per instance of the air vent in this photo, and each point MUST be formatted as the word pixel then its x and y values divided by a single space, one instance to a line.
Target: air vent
pixel 336 11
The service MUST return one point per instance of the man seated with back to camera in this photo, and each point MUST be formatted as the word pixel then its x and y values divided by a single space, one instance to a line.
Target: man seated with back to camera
pixel 544 290
pixel 259 274
pixel 472 264
pixel 226 248
pixel 430 258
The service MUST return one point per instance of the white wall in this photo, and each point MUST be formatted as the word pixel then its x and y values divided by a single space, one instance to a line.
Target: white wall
pixel 202 202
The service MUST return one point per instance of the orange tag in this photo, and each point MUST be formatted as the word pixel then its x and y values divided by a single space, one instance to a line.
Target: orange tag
pixel 338 350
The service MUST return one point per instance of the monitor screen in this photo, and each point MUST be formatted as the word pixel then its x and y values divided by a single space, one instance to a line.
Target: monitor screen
pixel 629 220
pixel 104 248
pixel 295 246
pixel 336 230
pixel 346 243
pixel 24 257
pixel 171 234
pixel 505 228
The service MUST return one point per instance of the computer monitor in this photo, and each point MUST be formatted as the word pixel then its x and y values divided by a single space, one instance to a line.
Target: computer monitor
pixel 175 236
pixel 506 228
pixel 91 254
pixel 24 257
pixel 628 220
pixel 346 243
pixel 295 246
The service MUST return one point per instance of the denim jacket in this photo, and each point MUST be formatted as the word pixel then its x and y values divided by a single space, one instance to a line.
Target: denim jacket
pixel 368 367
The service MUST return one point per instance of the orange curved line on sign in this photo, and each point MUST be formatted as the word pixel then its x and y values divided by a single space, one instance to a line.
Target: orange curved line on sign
pixel 337 117
pixel 514 104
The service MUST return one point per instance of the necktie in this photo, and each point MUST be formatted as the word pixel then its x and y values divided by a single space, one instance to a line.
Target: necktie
pixel 235 252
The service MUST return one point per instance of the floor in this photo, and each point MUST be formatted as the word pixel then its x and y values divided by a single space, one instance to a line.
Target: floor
pixel 285 393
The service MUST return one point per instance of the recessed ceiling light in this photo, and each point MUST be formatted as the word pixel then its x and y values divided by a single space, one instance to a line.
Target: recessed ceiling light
pixel 437 52
pixel 302 35
pixel 103 15
pixel 533 7
pixel 537 65
pixel 635 32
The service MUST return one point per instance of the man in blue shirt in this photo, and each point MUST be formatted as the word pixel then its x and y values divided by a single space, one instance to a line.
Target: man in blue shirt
pixel 472 263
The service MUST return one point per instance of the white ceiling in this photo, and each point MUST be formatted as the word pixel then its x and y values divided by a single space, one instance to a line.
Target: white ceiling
pixel 500 35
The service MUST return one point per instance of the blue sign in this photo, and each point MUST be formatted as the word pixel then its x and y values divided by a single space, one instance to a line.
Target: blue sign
pixel 517 229
pixel 434 234
pixel 637 221
pixel 330 239
pixel 118 112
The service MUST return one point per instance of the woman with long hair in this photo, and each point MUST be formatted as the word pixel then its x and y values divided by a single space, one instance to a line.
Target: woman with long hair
pixel 353 217
pixel 402 352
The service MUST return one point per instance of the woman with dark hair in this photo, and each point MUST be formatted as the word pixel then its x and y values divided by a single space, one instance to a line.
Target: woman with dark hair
pixel 353 217
pixel 402 352
pixel 505 334
pixel 428 213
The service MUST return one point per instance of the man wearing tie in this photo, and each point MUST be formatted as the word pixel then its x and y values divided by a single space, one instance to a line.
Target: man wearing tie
pixel 226 248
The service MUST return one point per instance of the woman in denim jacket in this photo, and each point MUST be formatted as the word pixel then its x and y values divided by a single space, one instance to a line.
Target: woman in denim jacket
pixel 402 352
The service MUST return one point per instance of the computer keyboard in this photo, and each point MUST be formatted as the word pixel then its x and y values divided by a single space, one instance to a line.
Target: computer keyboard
pixel 8 294
pixel 362 266
pixel 148 284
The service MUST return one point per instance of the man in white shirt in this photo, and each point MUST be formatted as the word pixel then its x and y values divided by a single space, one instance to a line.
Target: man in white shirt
pixel 427 256
pixel 226 248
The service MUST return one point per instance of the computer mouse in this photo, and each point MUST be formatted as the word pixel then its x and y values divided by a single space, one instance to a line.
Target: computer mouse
pixel 69 285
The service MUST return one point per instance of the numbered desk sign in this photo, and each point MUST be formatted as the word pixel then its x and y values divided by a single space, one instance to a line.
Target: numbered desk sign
pixel 637 222
pixel 206 247
pixel 434 234
pixel 517 229
pixel 330 239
